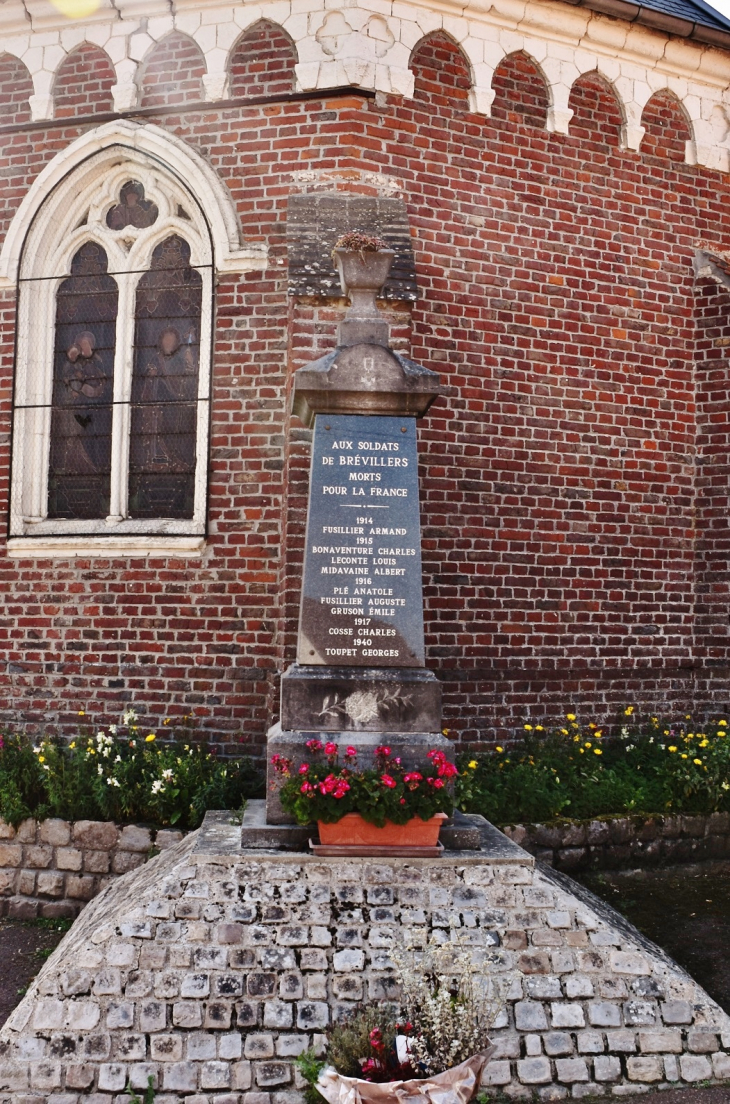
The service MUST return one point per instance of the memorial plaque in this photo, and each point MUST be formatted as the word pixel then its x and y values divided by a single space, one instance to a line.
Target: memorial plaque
pixel 362 602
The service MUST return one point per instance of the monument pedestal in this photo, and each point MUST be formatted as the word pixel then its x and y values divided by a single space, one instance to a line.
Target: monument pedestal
pixel 360 678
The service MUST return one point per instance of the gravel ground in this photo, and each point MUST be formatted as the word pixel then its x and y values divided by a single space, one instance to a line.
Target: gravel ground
pixel 24 947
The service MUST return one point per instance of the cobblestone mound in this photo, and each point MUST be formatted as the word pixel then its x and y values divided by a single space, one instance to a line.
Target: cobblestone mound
pixel 209 969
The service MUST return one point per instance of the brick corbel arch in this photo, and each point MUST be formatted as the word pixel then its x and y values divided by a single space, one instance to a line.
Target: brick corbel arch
pixel 231 254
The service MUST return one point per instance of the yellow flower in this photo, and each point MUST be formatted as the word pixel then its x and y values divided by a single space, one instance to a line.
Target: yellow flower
pixel 698 762
pixel 672 748
pixel 528 728
pixel 576 739
pixel 41 758
pixel 598 734
pixel 591 725
pixel 582 751
pixel 564 731
pixel 704 743
pixel 81 713
pixel 588 743
pixel 473 765
pixel 683 756
pixel 723 724
pixel 570 716
pixel 500 749
pixel 598 751
pixel 444 731
pixel 150 738
pixel 72 745
pixel 91 750
pixel 688 716
pixel 539 728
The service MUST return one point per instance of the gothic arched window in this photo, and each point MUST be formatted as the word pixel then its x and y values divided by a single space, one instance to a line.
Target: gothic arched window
pixel 113 363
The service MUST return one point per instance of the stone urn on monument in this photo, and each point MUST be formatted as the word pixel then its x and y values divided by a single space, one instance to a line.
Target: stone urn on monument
pixel 360 680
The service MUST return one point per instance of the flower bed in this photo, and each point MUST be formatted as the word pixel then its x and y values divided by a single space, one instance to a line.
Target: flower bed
pixel 122 774
pixel 651 767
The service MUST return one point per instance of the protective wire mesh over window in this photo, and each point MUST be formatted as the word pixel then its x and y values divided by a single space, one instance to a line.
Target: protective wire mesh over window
pixel 83 382
pixel 165 385
pixel 113 364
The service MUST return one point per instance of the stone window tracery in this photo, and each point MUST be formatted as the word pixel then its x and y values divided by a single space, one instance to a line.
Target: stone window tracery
pixel 113 361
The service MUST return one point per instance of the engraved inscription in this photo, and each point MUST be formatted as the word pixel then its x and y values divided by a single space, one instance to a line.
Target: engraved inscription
pixel 362 598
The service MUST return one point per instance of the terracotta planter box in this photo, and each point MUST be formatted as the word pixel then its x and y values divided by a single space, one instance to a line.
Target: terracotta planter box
pixel 353 831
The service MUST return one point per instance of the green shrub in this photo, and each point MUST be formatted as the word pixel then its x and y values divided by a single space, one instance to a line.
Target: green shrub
pixel 123 774
pixel 574 771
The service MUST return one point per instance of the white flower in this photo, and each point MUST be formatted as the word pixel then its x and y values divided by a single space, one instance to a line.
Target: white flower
pixel 129 717
pixel 99 768
pixel 118 759
pixel 113 782
pixel 158 787
pixel 113 729
pixel 167 775
pixel 36 751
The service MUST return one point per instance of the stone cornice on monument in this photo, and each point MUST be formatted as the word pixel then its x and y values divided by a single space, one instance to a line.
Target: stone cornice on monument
pixel 370 46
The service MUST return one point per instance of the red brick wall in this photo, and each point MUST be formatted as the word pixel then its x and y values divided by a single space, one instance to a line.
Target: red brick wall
pixel 558 474
pixel 263 62
pixel 713 479
pixel 83 83
pixel 16 85
pixel 172 73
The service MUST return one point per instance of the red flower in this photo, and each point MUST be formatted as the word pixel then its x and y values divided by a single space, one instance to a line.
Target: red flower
pixel 351 752
pixel 341 789
pixel 330 748
pixel 402 801
pixel 447 770
pixel 388 781
pixel 437 783
pixel 281 764
pixel 382 750
pixel 314 745
pixel 306 787
pixel 413 776
pixel 304 768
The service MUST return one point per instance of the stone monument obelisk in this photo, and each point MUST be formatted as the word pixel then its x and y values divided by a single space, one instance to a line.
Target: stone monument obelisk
pixel 360 676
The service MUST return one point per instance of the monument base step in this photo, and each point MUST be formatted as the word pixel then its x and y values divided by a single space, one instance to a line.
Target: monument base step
pixel 463 832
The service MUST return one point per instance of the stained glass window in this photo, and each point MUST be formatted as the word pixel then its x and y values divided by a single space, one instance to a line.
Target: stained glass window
pixel 162 450
pixel 83 374
pixel 133 209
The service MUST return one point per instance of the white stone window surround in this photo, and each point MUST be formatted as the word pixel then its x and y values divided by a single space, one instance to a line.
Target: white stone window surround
pixel 68 209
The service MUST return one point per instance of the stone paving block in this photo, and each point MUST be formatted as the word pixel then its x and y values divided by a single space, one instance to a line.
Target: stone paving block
pixel 69 858
pixel 676 1012
pixel 607 1068
pixel 644 1069
pixel 54 832
pixel 590 1042
pixel 701 1042
pixel 695 1067
pixel 660 1042
pixel 180 1077
pixel 570 1070
pixel 604 1014
pixel 534 1071
pixel 497 1074
pixel 564 1014
pixel 558 1043
pixel 530 1016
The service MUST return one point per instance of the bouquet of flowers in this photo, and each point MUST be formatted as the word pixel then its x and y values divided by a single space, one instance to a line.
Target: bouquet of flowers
pixel 323 789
